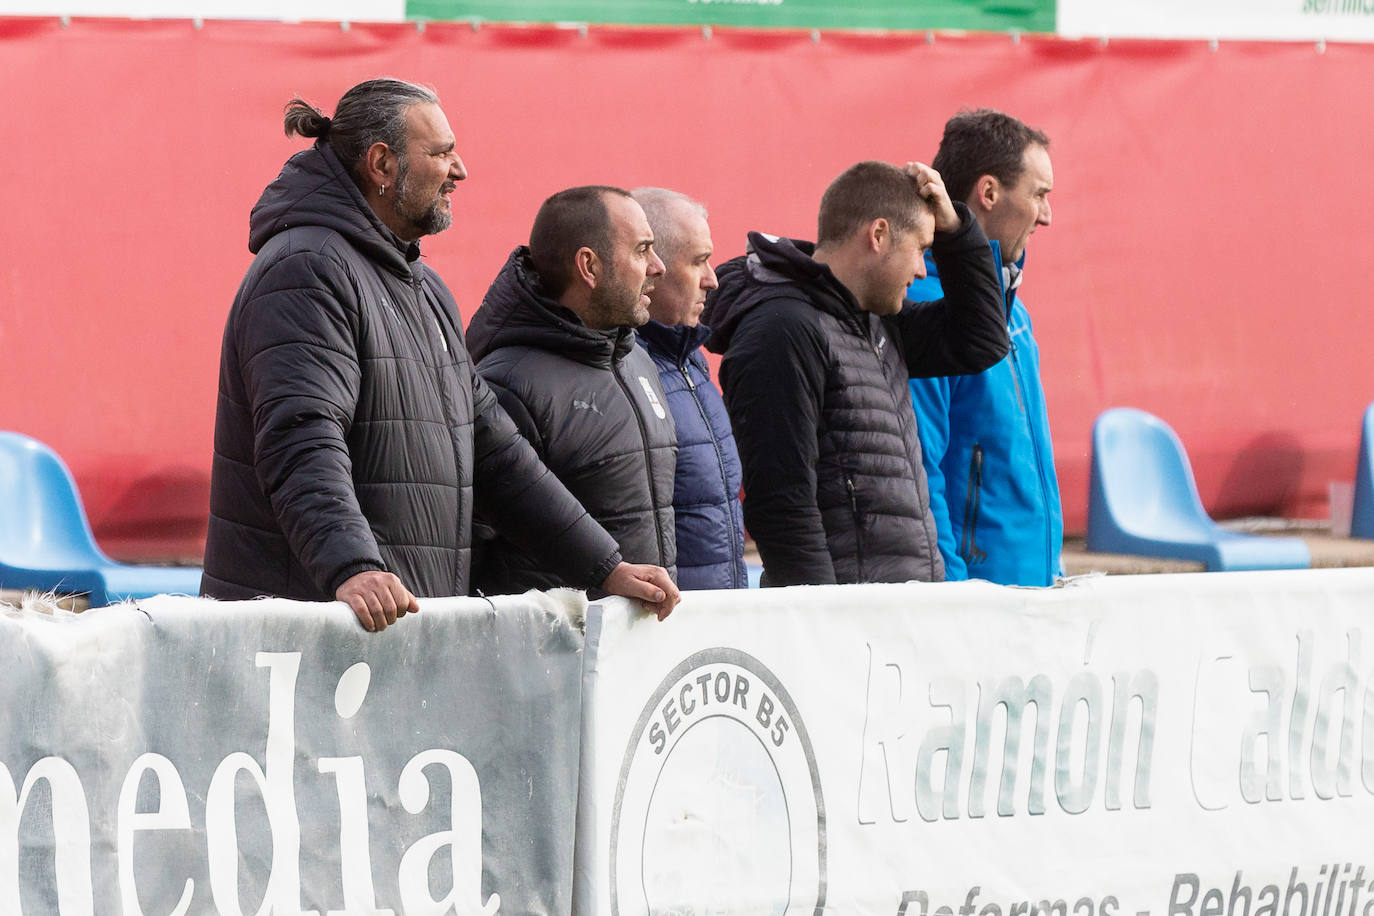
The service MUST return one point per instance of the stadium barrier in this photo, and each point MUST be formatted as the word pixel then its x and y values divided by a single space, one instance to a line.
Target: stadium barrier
pixel 1191 745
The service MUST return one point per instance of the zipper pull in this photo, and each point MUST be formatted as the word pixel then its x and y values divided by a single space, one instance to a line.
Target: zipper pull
pixel 687 377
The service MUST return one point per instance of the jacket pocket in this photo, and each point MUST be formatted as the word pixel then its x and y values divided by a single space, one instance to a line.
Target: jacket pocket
pixel 968 540
pixel 858 529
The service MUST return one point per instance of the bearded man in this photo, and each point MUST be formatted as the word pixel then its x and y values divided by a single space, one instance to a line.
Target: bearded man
pixel 555 339
pixel 352 437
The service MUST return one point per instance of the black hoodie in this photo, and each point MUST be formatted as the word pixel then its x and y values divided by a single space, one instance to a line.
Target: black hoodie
pixel 591 404
pixel 816 388
pixel 351 432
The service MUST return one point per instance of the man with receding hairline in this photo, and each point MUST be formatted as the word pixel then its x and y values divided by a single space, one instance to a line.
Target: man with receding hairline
pixel 555 340
pixel 352 437
pixel 706 505
pixel 818 343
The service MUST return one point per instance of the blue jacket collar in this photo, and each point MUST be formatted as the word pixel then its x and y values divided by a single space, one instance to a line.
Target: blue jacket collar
pixel 676 342
pixel 933 271
pixel 996 247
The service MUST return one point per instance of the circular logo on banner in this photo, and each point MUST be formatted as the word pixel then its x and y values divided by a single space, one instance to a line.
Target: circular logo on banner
pixel 718 808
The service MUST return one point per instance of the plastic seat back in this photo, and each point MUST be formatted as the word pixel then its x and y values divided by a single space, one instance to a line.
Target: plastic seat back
pixel 1362 510
pixel 43 525
pixel 46 542
pixel 1142 482
pixel 1143 500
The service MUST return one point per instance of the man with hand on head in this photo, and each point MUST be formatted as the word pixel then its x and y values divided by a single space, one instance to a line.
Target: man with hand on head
pixel 352 437
pixel 985 438
pixel 818 344
pixel 555 339
pixel 706 504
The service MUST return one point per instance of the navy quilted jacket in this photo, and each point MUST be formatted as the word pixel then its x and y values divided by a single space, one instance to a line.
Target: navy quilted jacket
pixel 706 506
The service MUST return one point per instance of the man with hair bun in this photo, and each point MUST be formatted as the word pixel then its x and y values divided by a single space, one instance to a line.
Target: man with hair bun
pixel 985 438
pixel 818 343
pixel 352 437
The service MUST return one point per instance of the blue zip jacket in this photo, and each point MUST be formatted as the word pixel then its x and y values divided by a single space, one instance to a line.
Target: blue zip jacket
pixel 986 448
pixel 706 505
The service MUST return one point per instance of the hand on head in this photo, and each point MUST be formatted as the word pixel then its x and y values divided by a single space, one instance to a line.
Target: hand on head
pixel 931 186
pixel 649 584
pixel 378 599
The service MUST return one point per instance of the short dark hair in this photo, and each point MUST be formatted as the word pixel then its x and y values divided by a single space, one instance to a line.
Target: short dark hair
pixel 569 220
pixel 371 112
pixel 864 192
pixel 983 142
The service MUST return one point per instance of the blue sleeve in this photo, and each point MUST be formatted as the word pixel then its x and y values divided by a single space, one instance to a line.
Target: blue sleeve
pixel 930 398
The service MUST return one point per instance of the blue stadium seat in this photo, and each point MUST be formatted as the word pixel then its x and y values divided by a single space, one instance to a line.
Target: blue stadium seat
pixel 1362 511
pixel 1143 500
pixel 46 542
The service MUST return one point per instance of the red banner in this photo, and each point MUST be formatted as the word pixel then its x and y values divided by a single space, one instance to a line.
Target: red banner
pixel 1192 268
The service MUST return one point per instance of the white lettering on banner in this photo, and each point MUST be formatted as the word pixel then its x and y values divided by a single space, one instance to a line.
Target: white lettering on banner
pixel 274 781
pixel 359 897
pixel 71 827
pixel 277 786
pixel 1288 730
pixel 465 847
pixel 171 814
pixel 940 769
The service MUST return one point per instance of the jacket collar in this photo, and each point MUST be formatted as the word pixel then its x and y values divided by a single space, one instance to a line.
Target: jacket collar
pixel 674 342
pixel 1009 275
pixel 771 267
pixel 517 312
pixel 314 189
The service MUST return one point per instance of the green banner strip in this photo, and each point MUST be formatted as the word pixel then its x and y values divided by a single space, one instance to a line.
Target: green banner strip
pixel 973 15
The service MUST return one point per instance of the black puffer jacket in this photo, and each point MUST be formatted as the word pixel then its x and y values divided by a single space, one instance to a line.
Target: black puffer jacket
pixel 834 490
pixel 590 403
pixel 351 428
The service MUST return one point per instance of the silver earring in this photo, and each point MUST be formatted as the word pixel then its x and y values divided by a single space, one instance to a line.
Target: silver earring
pixel 382 191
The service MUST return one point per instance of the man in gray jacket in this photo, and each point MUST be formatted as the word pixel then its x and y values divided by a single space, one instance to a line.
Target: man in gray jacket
pixel 555 339
pixel 352 437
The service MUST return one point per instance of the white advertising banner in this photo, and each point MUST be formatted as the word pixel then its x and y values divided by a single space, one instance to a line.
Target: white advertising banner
pixel 1191 745
pixel 270 757
pixel 286 10
pixel 1283 20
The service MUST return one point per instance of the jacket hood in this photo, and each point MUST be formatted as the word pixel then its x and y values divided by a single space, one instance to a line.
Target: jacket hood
pixel 673 342
pixel 770 262
pixel 517 312
pixel 314 189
